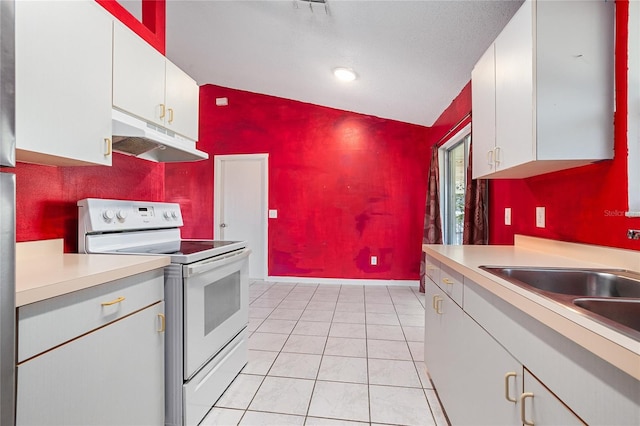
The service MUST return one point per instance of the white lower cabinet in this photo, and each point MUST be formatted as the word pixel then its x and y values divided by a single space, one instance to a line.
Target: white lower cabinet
pixel 477 380
pixel 541 407
pixel 112 375
pixel 491 364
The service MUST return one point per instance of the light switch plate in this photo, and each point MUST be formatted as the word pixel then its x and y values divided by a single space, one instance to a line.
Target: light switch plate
pixel 374 260
pixel 507 215
pixel 540 219
pixel 273 214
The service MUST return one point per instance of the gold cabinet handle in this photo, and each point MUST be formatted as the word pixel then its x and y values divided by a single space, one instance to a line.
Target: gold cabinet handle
pixel 433 301
pixel 490 159
pixel 507 394
pixel 114 301
pixel 448 281
pixel 438 304
pixel 108 147
pixel 431 268
pixel 163 323
pixel 163 111
pixel 523 416
pixel 170 115
pixel 497 156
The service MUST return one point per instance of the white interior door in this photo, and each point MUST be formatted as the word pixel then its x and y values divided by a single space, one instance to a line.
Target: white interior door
pixel 240 205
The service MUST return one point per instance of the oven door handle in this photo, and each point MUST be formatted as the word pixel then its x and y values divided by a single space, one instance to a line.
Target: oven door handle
pixel 216 262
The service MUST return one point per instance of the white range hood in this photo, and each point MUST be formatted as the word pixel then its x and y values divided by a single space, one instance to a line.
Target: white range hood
pixel 139 138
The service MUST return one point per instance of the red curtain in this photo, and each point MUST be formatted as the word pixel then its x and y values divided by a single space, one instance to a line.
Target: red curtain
pixel 475 208
pixel 432 233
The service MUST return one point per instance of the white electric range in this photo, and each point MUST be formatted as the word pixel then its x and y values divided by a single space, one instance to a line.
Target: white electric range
pixel 206 297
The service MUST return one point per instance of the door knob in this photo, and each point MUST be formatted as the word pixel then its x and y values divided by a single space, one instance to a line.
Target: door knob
pixel 223 225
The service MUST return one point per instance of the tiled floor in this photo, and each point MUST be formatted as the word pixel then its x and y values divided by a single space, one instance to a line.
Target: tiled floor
pixel 332 355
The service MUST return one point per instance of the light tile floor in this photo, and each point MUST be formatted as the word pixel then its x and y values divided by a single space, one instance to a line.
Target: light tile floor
pixel 332 355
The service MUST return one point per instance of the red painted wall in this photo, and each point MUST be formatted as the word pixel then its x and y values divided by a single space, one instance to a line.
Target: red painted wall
pixel 46 196
pixel 584 204
pixel 346 185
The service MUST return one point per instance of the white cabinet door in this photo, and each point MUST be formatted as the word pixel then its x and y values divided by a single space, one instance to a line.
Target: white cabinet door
pixel 543 408
pixel 443 347
pixel 182 98
pixel 515 91
pixel 63 82
pixel 138 76
pixel 492 380
pixel 483 98
pixel 114 376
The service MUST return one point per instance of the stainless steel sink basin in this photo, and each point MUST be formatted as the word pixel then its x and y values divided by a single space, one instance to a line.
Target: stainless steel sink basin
pixel 608 296
pixel 621 311
pixel 578 282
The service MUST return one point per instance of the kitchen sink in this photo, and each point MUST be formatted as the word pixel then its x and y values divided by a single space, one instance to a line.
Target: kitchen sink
pixel 608 296
pixel 579 282
pixel 621 311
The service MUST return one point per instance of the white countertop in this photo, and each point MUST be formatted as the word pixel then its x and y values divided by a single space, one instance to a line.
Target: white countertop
pixel 610 345
pixel 44 271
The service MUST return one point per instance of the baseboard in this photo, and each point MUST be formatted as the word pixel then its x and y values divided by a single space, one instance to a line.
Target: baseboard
pixel 344 281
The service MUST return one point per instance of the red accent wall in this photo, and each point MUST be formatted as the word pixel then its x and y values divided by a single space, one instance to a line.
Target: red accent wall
pixel 346 185
pixel 46 196
pixel 459 108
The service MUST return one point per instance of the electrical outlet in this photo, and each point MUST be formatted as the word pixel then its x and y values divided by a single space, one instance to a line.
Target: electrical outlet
pixel 374 260
pixel 540 219
pixel 507 215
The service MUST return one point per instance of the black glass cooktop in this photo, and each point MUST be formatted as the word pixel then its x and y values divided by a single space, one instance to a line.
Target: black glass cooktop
pixel 185 247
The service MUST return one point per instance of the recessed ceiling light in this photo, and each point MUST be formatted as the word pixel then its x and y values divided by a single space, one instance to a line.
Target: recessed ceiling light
pixel 345 74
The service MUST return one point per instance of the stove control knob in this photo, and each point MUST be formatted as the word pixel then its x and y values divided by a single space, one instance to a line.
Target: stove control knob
pixel 122 214
pixel 167 215
pixel 108 215
pixel 174 215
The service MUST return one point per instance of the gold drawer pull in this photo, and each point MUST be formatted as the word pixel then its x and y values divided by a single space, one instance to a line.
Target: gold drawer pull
pixel 108 147
pixel 163 323
pixel 113 302
pixel 448 281
pixel 523 410
pixel 163 111
pixel 437 304
pixel 432 267
pixel 170 115
pixel 506 387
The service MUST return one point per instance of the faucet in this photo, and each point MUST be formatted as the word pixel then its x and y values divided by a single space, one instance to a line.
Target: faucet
pixel 633 234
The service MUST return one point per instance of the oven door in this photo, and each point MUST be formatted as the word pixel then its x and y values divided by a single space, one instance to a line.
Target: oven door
pixel 216 306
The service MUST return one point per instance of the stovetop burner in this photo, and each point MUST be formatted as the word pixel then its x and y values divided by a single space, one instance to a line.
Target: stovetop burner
pixel 186 251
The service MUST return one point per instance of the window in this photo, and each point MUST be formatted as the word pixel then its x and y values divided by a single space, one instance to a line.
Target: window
pixel 454 156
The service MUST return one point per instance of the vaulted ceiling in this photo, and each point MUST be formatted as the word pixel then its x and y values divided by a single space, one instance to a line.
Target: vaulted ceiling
pixel 411 57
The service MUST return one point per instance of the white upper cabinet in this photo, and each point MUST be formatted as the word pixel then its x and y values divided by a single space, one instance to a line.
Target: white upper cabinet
pixel 483 124
pixel 182 96
pixel 63 83
pixel 138 76
pixel 542 94
pixel 149 86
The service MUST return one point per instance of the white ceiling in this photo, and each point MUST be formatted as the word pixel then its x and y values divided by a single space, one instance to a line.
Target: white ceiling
pixel 412 57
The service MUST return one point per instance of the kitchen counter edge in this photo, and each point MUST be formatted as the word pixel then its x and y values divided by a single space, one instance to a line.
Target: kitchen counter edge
pixel 43 271
pixel 606 343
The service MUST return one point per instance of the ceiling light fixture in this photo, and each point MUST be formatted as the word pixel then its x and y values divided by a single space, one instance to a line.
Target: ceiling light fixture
pixel 345 74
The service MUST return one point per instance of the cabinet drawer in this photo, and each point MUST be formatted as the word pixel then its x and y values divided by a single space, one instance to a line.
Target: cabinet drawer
pixel 432 269
pixel 451 283
pixel 49 323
